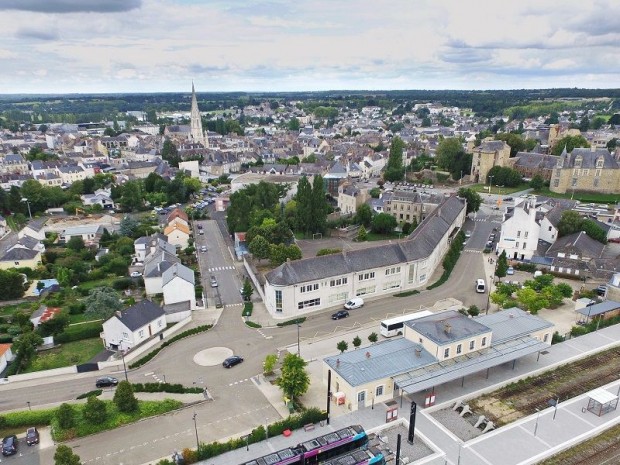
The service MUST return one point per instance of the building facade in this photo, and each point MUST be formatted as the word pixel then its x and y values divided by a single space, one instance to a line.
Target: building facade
pixel 586 170
pixel 486 156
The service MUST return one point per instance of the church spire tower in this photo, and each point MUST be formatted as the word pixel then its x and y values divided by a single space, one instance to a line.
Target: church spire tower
pixel 196 131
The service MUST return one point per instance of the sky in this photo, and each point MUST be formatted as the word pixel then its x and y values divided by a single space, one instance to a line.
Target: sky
pixel 109 46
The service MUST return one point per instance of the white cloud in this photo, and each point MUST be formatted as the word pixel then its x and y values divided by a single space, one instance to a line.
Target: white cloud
pixel 161 45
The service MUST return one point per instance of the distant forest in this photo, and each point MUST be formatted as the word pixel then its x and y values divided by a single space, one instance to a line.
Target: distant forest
pixel 73 108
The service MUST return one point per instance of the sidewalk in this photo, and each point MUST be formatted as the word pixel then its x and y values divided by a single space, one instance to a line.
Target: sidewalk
pixel 514 444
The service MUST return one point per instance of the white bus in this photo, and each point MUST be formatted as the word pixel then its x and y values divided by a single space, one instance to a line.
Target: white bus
pixel 394 326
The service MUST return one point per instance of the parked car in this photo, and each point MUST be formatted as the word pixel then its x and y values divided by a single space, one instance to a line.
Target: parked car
pixel 9 445
pixel 203 249
pixel 510 270
pixel 106 381
pixel 213 281
pixel 601 290
pixel 340 314
pixel 354 303
pixel 508 199
pixel 135 274
pixel 199 226
pixel 467 234
pixel 232 361
pixel 32 436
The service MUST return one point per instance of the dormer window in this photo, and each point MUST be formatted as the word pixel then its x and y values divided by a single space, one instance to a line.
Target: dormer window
pixel 578 161
pixel 599 162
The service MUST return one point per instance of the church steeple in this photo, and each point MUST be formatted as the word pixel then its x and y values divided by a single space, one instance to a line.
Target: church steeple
pixel 196 131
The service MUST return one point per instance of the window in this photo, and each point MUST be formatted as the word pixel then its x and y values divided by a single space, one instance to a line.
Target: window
pixel 308 303
pixel 391 285
pixel 595 183
pixel 574 182
pixel 366 290
pixel 365 276
pixel 446 353
pixel 517 245
pixel 422 277
pixel 309 288
pixel 599 162
pixel 125 335
pixel 484 341
pixel 379 391
pixel 160 323
pixel 393 270
pixel 278 301
pixel 472 345
pixel 518 233
pixel 524 245
pixel 546 338
pixel 341 296
pixel 141 333
pixel 338 282
pixel 578 162
pixel 526 234
pixel 411 276
pixel 597 173
pixel 556 182
pixel 458 349
pixel 361 396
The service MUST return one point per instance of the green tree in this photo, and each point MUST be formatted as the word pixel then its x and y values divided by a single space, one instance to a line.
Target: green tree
pixel 54 326
pixel 531 300
pixel 569 223
pixel 76 243
pixel 593 230
pixel 270 364
pixel 502 265
pixel 472 197
pixel 294 380
pixel 362 235
pixel 304 204
pixel 259 247
pixel 11 285
pixel 342 346
pixel 293 124
pixel 170 153
pixel 569 143
pixel 25 348
pixel 363 215
pixel 131 198
pixel 65 416
pixel 373 337
pixel 473 310
pixel 375 192
pixel 128 226
pixel 383 223
pixel 94 411
pixel 102 302
pixel 537 182
pixel 124 398
pixel 394 170
pixel 248 290
pixel 318 210
pixel 357 341
pixel 451 156
pixel 64 455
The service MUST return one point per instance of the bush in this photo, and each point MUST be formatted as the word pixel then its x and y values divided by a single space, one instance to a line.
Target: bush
pixel 407 293
pixel 79 332
pixel 322 252
pixel 248 307
pixel 86 395
pixel 94 411
pixel 251 324
pixel 529 267
pixel 124 398
pixel 122 283
pixel 190 332
pixel 65 415
pixel 292 322
pixel 28 418
pixel 165 387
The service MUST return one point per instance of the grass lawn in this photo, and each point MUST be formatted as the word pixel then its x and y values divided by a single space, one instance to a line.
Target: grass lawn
pixel 382 237
pixel 11 223
pixel 26 307
pixel 69 353
pixel 88 285
pixel 81 318
pixel 588 197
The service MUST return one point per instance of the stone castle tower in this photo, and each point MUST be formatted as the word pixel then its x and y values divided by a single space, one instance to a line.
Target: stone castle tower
pixel 196 132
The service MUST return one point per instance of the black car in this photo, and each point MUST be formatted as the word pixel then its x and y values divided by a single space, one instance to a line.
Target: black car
pixel 340 314
pixel 32 436
pixel 9 445
pixel 106 381
pixel 232 361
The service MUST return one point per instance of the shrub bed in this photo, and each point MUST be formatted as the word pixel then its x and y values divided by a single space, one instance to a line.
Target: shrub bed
pixel 248 307
pixel 86 395
pixel 190 332
pixel 25 418
pixel 407 293
pixel 292 322
pixel 251 324
pixel 450 259
pixel 165 387
pixel 79 332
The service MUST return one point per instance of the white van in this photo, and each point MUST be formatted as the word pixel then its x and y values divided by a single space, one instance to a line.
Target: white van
pixel 354 303
pixel 480 287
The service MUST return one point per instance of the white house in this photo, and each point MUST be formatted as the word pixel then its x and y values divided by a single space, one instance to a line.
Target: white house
pixel 98 199
pixel 146 245
pixel 35 228
pixel 178 285
pixel 154 266
pixel 129 328
pixel 90 233
pixel 300 287
pixel 3 226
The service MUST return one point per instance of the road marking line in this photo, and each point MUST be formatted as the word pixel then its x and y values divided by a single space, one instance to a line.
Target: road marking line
pixel 149 373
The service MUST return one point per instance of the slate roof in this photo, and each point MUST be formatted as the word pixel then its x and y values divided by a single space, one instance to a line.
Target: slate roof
pixel 588 158
pixel 28 242
pixel 535 160
pixel 419 244
pixel 155 264
pixel 599 309
pixel 577 244
pixel 491 146
pixel 179 270
pixel 19 253
pixel 512 323
pixel 140 314
pixel 447 327
pixel 37 225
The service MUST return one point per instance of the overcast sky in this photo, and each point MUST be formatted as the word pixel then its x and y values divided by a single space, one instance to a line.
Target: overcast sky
pixel 60 46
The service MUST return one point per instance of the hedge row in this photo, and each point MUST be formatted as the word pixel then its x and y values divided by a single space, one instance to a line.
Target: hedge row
pixel 450 259
pixel 25 418
pixel 165 387
pixel 207 451
pixel 190 332
pixel 86 395
pixel 248 307
pixel 292 322
pixel 80 332
pixel 407 293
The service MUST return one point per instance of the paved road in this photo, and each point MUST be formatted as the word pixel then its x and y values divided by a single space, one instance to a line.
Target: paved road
pixel 236 399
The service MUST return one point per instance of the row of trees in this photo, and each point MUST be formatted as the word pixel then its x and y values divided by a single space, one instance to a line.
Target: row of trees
pixel 535 294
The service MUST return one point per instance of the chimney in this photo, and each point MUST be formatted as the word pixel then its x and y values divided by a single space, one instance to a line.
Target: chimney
pixel 118 313
pixel 367 354
pixel 447 327
pixel 418 352
pixel 510 315
pixel 337 362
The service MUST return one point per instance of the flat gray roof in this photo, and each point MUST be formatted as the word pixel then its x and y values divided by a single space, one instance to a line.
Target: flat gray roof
pixel 449 370
pixel 599 309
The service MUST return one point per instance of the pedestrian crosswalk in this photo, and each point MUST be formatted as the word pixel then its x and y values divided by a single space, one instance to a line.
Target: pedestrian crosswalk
pixel 222 268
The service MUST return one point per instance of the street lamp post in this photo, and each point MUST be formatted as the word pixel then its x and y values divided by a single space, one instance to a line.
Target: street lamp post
pixel 28 402
pixel 24 199
pixel 490 183
pixel 196 429
pixel 298 351
pixel 124 365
